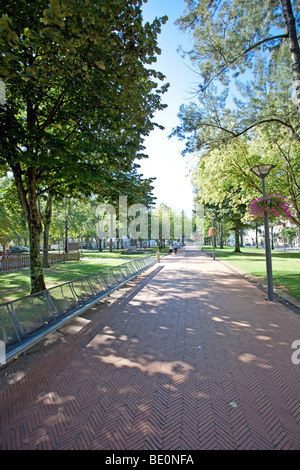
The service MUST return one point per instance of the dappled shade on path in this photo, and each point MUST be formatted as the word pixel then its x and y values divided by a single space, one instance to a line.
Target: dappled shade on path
pixel 190 357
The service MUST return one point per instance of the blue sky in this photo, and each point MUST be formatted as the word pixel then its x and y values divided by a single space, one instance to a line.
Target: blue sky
pixel 165 161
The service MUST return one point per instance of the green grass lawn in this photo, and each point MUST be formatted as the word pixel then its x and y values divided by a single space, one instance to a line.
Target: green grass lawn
pixel 17 284
pixel 118 253
pixel 286 269
pixel 285 266
pixel 14 285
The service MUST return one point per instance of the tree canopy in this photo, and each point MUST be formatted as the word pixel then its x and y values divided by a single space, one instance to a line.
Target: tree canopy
pixel 247 58
pixel 80 97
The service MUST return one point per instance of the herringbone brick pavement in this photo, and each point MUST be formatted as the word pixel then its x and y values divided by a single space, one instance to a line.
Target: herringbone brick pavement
pixel 189 357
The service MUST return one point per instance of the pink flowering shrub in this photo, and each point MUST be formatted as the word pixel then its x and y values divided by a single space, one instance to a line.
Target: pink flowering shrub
pixel 212 231
pixel 275 206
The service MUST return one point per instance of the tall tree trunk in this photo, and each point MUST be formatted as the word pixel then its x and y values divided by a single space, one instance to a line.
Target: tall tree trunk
pixel 4 248
pixel 35 230
pixel 62 241
pixel 28 200
pixel 36 271
pixel 237 236
pixel 256 235
pixel 294 47
pixel 47 221
pixel 66 235
pixel 221 236
pixel 111 233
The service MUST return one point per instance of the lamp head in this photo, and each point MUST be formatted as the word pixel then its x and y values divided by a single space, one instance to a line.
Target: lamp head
pixel 262 170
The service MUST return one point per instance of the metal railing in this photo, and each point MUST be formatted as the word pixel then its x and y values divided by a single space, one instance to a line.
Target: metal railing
pixel 25 321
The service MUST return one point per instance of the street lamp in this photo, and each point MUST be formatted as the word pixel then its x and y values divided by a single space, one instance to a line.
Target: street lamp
pixel 262 171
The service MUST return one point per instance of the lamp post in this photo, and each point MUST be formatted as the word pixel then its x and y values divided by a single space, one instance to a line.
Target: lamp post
pixel 262 171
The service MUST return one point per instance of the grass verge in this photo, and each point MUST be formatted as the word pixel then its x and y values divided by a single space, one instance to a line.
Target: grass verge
pixel 118 253
pixel 285 266
pixel 14 285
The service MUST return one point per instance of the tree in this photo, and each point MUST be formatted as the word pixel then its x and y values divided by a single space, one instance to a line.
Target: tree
pixel 225 185
pixel 12 222
pixel 80 97
pixel 6 222
pixel 255 43
pixel 290 233
pixel 221 171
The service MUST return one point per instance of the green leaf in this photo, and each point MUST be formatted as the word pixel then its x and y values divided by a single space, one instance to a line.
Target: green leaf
pixel 100 65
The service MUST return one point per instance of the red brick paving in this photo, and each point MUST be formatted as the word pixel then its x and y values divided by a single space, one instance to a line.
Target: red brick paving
pixel 191 357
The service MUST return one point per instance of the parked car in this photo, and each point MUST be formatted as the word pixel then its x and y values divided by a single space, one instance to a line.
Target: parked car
pixel 15 249
pixel 18 249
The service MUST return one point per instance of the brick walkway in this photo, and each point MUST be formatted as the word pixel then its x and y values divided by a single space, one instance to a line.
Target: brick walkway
pixel 190 357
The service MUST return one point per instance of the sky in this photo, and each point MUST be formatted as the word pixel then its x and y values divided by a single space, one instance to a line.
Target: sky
pixel 172 186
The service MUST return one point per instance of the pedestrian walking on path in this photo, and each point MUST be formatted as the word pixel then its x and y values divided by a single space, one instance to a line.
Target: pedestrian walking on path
pixel 190 357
